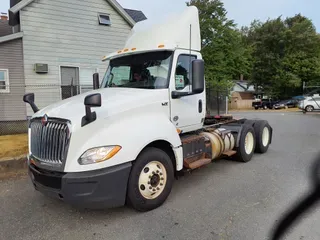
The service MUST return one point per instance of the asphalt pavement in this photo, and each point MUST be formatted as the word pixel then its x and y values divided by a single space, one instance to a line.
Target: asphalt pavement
pixel 224 200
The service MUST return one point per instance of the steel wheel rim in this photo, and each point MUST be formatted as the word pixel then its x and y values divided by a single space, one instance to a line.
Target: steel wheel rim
pixel 265 136
pixel 152 180
pixel 249 142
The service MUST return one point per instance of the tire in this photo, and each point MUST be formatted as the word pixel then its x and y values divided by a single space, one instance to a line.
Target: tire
pixel 156 165
pixel 250 122
pixel 262 132
pixel 243 154
pixel 309 108
pixel 256 108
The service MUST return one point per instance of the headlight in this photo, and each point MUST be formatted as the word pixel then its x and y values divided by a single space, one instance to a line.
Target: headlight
pixel 99 154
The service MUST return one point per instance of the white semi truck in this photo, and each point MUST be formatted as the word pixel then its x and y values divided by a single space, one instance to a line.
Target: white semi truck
pixel 125 141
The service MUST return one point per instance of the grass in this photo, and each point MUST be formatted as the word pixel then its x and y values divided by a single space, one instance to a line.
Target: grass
pixel 13 145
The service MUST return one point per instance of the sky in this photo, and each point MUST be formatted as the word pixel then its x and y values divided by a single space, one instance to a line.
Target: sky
pixel 241 11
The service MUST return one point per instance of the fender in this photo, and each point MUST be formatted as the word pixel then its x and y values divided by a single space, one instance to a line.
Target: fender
pixel 132 133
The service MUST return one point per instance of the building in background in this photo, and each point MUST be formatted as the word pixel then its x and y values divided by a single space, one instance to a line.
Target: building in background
pixel 52 48
pixel 242 95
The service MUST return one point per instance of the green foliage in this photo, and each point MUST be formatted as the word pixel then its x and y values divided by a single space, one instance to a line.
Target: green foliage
pixel 222 49
pixel 277 55
pixel 285 54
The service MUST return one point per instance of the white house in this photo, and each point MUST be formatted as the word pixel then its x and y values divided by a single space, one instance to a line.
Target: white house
pixel 58 44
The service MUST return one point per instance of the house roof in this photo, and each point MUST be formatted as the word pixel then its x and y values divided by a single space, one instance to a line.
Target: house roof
pixel 136 15
pixel 245 86
pixel 129 15
pixel 5 28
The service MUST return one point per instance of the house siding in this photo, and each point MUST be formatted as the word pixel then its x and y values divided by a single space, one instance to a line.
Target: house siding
pixel 67 33
pixel 12 106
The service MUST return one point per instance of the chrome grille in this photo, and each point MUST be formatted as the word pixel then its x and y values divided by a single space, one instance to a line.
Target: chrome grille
pixel 50 140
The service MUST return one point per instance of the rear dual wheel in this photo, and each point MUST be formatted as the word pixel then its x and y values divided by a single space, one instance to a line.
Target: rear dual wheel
pixel 247 143
pixel 263 136
pixel 262 133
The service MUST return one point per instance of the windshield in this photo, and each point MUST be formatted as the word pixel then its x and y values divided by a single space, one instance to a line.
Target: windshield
pixel 145 70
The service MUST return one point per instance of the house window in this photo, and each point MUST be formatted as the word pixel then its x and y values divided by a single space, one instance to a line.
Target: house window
pixel 104 19
pixel 4 81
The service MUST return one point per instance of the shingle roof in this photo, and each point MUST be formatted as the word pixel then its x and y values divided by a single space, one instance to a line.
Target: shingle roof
pixel 136 15
pixel 5 28
pixel 130 15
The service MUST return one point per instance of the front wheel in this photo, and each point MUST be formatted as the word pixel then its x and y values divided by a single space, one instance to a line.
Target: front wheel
pixel 150 180
pixel 309 108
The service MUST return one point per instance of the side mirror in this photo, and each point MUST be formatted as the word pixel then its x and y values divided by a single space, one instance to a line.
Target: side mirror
pixel 197 76
pixel 92 100
pixel 96 81
pixel 29 98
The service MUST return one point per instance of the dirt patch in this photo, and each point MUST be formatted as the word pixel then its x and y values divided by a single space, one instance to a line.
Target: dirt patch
pixel 13 146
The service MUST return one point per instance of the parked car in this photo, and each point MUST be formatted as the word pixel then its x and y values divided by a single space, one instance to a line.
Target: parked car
pixel 310 103
pixel 264 103
pixel 291 103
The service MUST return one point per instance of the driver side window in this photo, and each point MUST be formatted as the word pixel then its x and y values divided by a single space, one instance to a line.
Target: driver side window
pixel 183 74
pixel 121 75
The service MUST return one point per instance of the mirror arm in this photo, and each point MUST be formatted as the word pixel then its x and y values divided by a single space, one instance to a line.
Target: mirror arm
pixel 96 81
pixel 34 107
pixel 88 113
pixel 29 98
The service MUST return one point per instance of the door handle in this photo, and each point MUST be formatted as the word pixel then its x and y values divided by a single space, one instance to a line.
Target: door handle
pixel 200 106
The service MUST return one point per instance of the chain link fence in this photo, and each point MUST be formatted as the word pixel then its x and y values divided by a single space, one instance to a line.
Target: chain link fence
pixel 14 112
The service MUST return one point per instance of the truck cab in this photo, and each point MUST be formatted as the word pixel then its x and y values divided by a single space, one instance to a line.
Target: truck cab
pixel 125 141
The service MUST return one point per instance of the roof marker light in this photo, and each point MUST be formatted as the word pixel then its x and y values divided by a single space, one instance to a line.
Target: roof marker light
pixel 161 46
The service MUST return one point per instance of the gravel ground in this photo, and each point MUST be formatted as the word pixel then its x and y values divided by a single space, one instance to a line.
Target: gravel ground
pixel 225 200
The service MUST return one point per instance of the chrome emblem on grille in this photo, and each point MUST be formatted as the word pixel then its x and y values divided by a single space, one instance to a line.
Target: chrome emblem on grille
pixel 44 120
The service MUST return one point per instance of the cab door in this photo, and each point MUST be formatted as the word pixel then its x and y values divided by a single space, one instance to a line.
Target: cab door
pixel 187 112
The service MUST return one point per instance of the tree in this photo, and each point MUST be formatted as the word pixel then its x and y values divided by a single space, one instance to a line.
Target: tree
pixel 285 53
pixel 222 46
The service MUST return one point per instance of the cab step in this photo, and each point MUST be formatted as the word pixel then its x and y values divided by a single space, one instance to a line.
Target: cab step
pixel 196 162
pixel 199 163
pixel 229 153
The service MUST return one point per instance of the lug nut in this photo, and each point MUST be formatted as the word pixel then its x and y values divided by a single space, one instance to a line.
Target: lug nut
pixel 142 187
pixel 158 188
pixel 150 187
pixel 161 184
pixel 162 178
pixel 157 171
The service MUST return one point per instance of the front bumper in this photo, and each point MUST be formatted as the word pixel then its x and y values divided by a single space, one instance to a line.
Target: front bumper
pixel 104 188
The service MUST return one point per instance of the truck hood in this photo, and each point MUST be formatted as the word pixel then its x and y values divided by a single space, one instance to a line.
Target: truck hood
pixel 114 101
